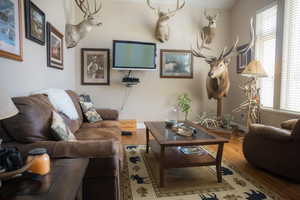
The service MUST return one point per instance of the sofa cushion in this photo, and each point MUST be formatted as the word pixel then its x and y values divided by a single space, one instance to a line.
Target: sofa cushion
pixel 33 123
pixel 98 134
pixel 60 128
pixel 102 124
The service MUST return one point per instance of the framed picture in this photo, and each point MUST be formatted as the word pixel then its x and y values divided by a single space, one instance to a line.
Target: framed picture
pixel 11 33
pixel 176 64
pixel 35 23
pixel 95 66
pixel 55 48
pixel 243 60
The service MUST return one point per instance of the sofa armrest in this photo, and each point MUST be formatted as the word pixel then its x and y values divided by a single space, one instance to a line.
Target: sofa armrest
pixel 73 149
pixel 108 114
pixel 270 132
pixel 289 124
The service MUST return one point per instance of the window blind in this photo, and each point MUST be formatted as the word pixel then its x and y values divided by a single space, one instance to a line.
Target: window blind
pixel 290 75
pixel 266 28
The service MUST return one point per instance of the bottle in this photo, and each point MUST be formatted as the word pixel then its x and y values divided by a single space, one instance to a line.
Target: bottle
pixel 41 161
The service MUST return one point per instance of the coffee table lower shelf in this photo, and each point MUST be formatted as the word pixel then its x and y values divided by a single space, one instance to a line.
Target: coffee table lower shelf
pixel 174 158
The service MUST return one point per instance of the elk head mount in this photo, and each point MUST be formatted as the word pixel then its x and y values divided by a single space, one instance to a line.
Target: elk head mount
pixel 74 33
pixel 209 31
pixel 162 31
pixel 218 82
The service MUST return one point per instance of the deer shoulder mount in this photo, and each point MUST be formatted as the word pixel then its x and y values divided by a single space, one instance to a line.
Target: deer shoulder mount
pixel 209 31
pixel 75 33
pixel 218 82
pixel 162 31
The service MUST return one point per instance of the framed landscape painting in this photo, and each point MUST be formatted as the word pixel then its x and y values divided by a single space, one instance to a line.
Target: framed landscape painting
pixel 35 23
pixel 11 43
pixel 95 66
pixel 176 64
pixel 55 48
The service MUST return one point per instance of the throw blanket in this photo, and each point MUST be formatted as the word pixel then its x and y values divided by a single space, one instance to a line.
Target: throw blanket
pixel 61 101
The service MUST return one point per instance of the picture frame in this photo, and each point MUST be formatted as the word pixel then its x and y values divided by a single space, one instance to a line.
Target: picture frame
pixel 35 23
pixel 243 60
pixel 176 64
pixel 11 30
pixel 55 48
pixel 95 66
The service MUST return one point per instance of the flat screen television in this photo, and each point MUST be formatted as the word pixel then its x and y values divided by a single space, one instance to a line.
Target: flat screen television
pixel 131 55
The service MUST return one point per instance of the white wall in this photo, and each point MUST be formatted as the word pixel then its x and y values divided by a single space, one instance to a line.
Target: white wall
pixel 21 78
pixel 154 97
pixel 242 11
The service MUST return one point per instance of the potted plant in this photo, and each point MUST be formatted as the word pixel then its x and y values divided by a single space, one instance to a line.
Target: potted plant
pixel 184 103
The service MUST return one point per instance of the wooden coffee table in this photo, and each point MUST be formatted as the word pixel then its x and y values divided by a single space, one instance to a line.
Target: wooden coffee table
pixel 165 144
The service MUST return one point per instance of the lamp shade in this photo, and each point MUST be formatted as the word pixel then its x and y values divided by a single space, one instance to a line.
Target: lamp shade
pixel 254 69
pixel 7 107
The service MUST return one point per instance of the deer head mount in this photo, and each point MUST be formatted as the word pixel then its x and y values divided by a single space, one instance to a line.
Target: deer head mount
pixel 74 33
pixel 210 30
pixel 218 82
pixel 162 31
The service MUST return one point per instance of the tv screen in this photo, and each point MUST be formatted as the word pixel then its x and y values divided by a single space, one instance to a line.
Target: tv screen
pixel 130 55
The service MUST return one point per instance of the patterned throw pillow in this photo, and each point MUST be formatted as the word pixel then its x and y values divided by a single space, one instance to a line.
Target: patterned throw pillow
pixel 90 112
pixel 60 128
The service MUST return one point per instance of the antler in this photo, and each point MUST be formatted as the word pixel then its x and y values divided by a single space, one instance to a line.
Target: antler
pixel 97 8
pixel 251 43
pixel 84 6
pixel 179 7
pixel 150 6
pixel 200 46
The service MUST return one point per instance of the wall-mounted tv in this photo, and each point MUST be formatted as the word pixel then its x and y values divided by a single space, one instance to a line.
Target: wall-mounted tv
pixel 132 55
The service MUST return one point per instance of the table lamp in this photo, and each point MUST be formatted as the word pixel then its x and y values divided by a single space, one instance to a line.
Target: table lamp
pixel 251 106
pixel 7 107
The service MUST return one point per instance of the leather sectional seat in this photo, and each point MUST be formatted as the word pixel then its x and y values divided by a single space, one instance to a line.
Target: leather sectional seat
pixel 100 142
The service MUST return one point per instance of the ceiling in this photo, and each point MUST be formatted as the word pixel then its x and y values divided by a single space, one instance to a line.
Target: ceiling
pixel 220 4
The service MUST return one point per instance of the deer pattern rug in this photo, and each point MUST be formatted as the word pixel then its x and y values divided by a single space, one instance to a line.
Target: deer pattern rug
pixel 140 180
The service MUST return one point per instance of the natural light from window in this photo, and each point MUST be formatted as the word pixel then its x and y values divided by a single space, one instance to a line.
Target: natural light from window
pixel 290 76
pixel 266 28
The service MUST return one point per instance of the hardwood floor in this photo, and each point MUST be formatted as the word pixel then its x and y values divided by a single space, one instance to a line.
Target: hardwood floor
pixel 233 154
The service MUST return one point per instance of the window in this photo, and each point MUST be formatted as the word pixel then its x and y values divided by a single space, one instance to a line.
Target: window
pixel 266 30
pixel 290 72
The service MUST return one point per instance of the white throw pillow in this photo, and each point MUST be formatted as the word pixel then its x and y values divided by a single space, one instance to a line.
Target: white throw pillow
pixel 60 128
pixel 61 101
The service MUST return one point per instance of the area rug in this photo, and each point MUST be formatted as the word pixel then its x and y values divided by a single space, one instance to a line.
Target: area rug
pixel 140 181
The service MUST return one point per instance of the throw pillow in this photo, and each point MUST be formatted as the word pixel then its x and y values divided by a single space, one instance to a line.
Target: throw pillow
pixel 296 130
pixel 90 112
pixel 60 128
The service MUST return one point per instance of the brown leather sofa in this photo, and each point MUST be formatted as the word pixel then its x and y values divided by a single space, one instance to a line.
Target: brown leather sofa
pixel 275 150
pixel 100 142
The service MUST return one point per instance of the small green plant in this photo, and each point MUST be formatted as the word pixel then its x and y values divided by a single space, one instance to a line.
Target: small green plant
pixel 184 103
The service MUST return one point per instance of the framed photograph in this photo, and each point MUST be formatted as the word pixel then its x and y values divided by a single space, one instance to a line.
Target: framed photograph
pixel 55 48
pixel 11 33
pixel 243 60
pixel 35 23
pixel 95 66
pixel 176 64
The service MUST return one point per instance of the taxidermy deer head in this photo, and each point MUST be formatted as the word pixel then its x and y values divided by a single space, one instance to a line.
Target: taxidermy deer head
pixel 162 32
pixel 74 33
pixel 218 82
pixel 210 30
